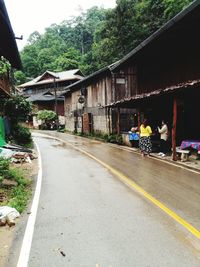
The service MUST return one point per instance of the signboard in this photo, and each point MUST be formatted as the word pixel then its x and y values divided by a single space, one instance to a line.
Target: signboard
pixel 120 81
pixel 81 99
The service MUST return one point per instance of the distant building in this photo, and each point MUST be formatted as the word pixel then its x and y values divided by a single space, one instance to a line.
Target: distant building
pixel 45 90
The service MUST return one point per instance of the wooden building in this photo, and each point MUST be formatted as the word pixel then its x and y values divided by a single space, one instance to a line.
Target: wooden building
pixel 8 49
pixel 161 77
pixel 46 100
pixel 85 103
pixel 44 90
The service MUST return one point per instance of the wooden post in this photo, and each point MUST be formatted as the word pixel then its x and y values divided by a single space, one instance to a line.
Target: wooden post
pixel 174 155
pixel 109 126
pixel 118 120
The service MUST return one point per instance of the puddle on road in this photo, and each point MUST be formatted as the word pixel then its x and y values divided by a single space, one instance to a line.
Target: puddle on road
pixel 59 144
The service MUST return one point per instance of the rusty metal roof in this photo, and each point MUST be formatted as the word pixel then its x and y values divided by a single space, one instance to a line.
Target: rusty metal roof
pixel 171 89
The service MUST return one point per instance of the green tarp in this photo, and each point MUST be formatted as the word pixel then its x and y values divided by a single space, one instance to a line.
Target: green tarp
pixel 2 133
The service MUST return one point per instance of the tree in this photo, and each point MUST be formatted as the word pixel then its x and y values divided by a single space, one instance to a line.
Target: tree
pixel 46 115
pixel 68 60
pixel 97 37
pixel 20 77
pixel 34 37
pixel 173 7
pixel 17 108
pixel 48 118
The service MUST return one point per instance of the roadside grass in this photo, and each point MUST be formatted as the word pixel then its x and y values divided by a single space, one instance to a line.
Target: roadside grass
pixel 15 188
pixel 110 138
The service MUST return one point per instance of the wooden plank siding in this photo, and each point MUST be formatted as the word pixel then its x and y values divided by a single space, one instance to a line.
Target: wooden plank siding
pixel 130 87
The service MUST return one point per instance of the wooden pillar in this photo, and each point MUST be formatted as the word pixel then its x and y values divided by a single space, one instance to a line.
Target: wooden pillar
pixel 174 155
pixel 118 120
pixel 109 126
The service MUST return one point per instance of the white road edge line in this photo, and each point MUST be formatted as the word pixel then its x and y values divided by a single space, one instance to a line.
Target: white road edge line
pixel 27 240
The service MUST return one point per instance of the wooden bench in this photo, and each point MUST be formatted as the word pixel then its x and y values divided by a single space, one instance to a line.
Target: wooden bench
pixel 184 154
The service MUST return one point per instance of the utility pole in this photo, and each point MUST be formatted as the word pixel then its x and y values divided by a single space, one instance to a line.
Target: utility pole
pixel 56 102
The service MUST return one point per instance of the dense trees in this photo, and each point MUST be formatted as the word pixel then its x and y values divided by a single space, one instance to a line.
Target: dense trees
pixel 97 37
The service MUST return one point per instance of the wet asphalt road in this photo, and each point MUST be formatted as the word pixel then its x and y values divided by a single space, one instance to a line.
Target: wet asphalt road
pixel 177 188
pixel 87 217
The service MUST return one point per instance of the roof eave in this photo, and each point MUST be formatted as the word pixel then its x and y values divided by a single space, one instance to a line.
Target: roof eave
pixel 156 34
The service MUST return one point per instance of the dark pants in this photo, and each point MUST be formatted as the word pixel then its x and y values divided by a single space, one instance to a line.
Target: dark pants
pixel 163 146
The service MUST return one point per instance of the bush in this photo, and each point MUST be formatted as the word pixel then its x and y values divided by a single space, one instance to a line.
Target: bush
pixel 4 167
pixel 112 138
pixel 119 139
pixel 16 196
pixel 17 109
pixel 46 115
pixel 19 198
pixel 116 139
pixel 22 135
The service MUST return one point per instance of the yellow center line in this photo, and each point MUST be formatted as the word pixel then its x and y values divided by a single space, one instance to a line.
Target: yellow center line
pixel 129 182
pixel 139 189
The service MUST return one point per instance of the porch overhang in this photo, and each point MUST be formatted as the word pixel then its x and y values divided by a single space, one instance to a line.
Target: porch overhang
pixel 133 101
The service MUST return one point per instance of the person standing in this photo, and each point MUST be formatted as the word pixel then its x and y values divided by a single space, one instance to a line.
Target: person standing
pixel 163 131
pixel 145 139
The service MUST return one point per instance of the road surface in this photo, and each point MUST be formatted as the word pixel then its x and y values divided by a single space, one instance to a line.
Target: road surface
pixel 88 217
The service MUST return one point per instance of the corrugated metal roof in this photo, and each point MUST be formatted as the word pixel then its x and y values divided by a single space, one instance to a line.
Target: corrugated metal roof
pixel 59 77
pixel 88 78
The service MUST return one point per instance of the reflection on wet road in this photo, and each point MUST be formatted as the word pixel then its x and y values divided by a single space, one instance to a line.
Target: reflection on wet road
pixel 177 188
pixel 87 217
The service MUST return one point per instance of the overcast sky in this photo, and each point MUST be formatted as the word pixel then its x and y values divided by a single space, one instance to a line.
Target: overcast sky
pixel 27 16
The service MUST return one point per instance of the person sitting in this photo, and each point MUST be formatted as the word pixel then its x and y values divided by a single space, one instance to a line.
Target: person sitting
pixel 134 136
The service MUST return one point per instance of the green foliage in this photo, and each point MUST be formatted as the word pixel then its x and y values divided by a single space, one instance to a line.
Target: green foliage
pixel 68 60
pixel 98 37
pixel 5 67
pixel 17 108
pixel 20 77
pixel 21 135
pixel 19 194
pixel 18 176
pixel 173 7
pixel 46 115
pixel 119 139
pixel 4 168
pixel 112 138
pixel 11 173
pixel 19 198
pixel 115 138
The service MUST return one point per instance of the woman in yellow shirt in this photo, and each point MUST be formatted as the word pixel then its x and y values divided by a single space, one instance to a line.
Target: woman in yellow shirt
pixel 145 139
